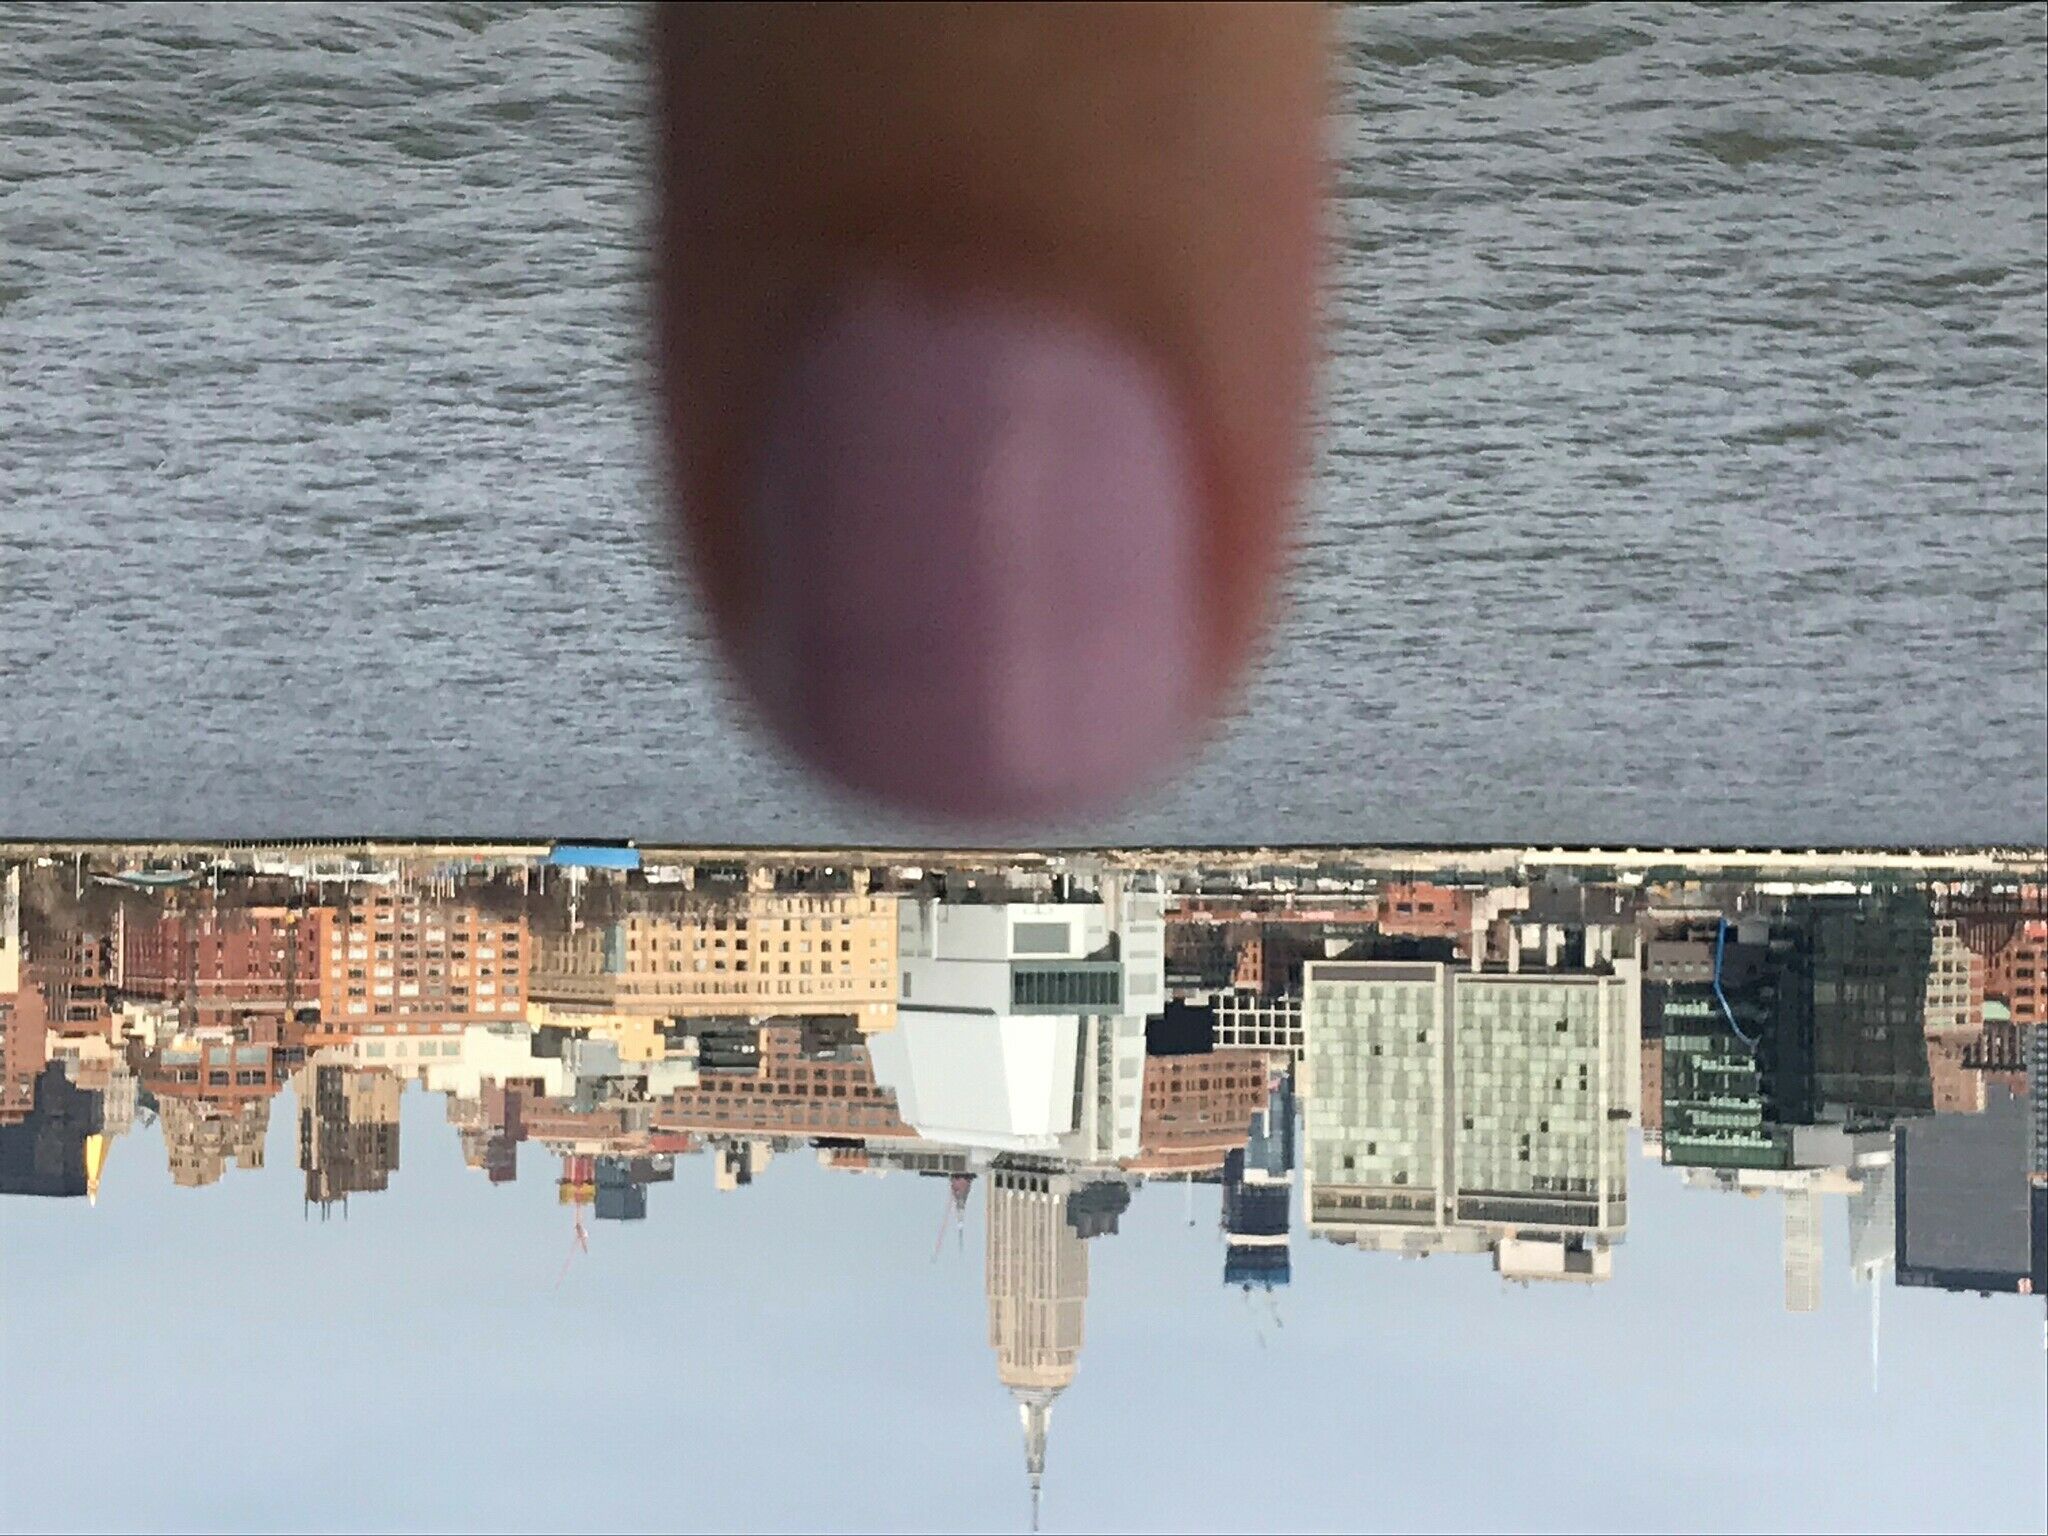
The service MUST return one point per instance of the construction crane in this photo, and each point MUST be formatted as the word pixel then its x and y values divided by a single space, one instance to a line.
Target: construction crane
pixel 578 1181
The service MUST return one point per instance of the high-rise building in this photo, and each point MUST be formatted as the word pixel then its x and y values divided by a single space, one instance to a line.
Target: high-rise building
pixel 1803 1248
pixel 1955 983
pixel 1258 1187
pixel 48 1151
pixel 2018 973
pixel 1818 1161
pixel 1873 1217
pixel 202 1136
pixel 1441 1101
pixel 1815 1016
pixel 1254 1225
pixel 1867 960
pixel 1037 1281
pixel 1706 993
pixel 622 1184
pixel 1964 1212
pixel 1873 1237
pixel 348 1130
pixel 677 954
pixel 1955 1020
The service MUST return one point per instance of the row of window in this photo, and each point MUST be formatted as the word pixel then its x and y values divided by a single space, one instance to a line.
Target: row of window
pixel 767 967
pixel 750 987
pixel 374 1049
pixel 412 972
pixel 676 946
pixel 1054 988
pixel 504 1005
pixel 335 951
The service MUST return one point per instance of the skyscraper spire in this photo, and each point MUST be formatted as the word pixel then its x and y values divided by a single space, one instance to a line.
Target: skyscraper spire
pixel 1034 1411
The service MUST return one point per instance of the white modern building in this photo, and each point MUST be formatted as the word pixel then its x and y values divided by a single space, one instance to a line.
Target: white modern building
pixel 1826 1160
pixel 1021 1025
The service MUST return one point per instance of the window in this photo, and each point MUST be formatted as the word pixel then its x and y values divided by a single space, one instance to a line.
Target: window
pixel 1045 938
pixel 1065 987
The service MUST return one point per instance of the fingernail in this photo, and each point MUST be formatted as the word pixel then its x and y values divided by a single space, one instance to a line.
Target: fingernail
pixel 975 529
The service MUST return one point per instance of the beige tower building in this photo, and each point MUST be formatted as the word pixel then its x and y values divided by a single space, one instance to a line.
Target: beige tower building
pixel 348 1130
pixel 1037 1290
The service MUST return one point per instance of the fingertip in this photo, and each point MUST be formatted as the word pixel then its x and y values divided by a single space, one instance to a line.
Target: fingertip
pixel 986 428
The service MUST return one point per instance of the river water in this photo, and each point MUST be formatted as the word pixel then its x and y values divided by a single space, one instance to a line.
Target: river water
pixel 1683 474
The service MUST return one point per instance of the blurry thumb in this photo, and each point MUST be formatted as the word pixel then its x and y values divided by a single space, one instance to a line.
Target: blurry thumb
pixel 986 333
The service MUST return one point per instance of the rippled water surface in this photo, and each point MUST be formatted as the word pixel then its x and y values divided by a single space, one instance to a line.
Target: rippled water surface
pixel 1684 471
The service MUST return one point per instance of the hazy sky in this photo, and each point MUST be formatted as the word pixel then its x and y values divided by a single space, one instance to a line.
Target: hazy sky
pixel 791 1356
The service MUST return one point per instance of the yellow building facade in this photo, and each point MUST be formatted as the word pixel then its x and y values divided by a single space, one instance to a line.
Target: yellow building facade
pixel 757 953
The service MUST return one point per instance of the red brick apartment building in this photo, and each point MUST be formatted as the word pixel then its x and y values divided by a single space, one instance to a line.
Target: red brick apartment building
pixel 231 966
pixel 1197 1110
pixel 394 963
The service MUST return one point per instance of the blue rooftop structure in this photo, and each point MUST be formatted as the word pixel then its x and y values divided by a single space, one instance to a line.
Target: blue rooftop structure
pixel 593 856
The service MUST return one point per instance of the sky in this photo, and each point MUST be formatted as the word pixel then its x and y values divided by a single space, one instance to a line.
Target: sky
pixel 794 1356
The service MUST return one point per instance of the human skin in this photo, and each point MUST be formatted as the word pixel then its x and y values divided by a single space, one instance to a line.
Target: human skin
pixel 987 338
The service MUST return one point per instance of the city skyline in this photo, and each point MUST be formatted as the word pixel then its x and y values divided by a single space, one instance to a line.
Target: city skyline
pixel 1457 1066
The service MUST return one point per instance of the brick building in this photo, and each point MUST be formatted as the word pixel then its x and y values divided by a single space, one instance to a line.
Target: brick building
pixel 220 1071
pixel 2018 974
pixel 1197 1110
pixel 399 963
pixel 1418 910
pixel 24 1048
pixel 791 1091
pixel 226 966
pixel 71 969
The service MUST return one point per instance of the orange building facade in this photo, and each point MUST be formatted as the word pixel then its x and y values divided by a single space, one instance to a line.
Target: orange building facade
pixel 1197 1110
pixel 404 964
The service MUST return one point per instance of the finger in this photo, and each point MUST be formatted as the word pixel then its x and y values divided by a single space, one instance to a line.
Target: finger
pixel 987 339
